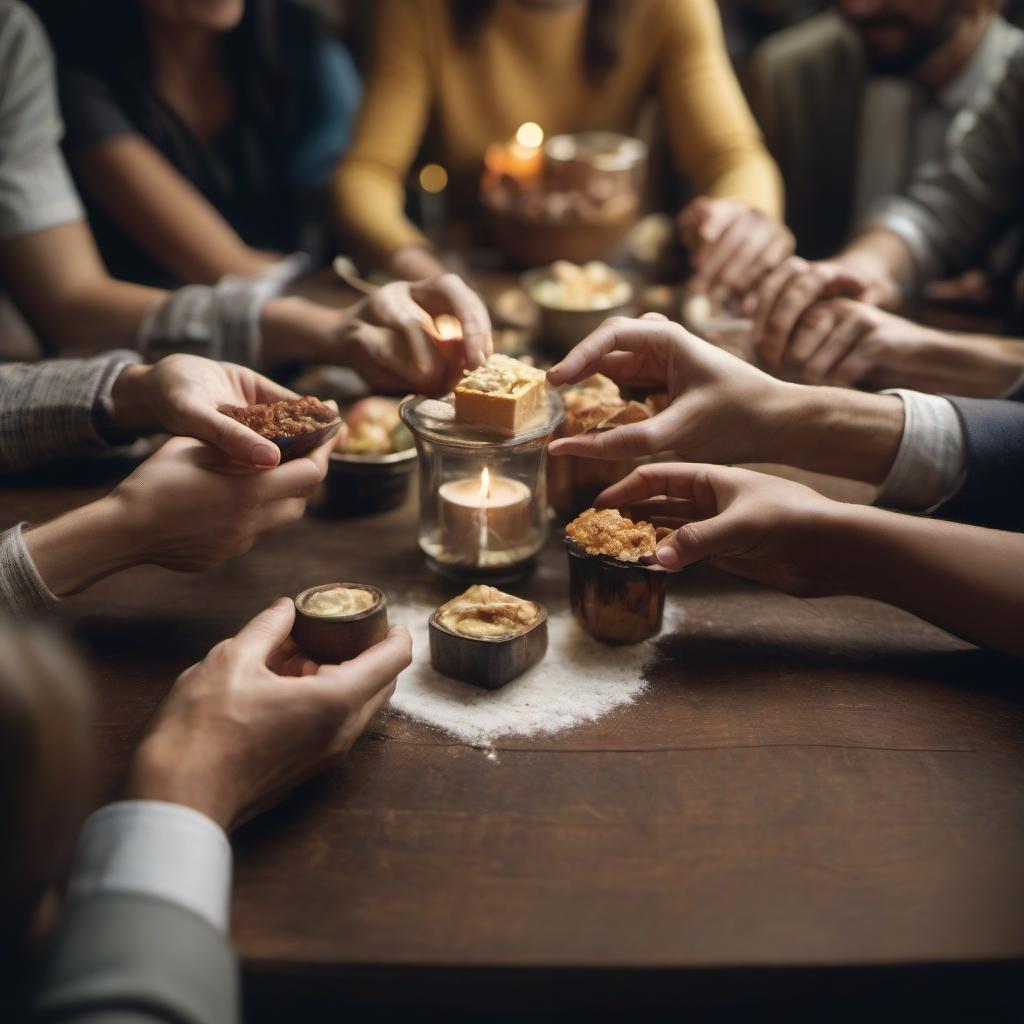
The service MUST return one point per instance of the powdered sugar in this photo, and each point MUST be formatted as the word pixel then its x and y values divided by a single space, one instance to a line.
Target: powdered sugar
pixel 578 681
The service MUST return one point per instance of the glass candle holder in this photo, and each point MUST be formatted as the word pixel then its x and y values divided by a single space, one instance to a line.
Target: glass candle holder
pixel 483 498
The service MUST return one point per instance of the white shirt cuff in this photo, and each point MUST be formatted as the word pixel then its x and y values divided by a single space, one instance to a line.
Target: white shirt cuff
pixel 156 849
pixel 931 463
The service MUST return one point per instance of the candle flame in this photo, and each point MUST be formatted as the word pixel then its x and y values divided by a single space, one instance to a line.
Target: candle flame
pixel 485 484
pixel 433 178
pixel 530 135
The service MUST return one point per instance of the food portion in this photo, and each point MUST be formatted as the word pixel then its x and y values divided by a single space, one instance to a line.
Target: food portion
pixel 597 403
pixel 504 393
pixel 373 427
pixel 336 602
pixel 593 286
pixel 290 418
pixel 607 532
pixel 485 613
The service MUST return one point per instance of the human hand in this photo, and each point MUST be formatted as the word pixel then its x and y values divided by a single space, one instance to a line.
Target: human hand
pixel 732 246
pixel 182 394
pixel 187 508
pixel 843 343
pixel 750 524
pixel 789 291
pixel 255 718
pixel 391 341
pixel 721 409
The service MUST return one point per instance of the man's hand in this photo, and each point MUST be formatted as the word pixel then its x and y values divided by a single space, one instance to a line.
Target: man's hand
pixel 255 718
pixel 732 246
pixel 181 394
pixel 186 508
pixel 721 409
pixel 790 290
pixel 392 342
pixel 750 524
pixel 843 343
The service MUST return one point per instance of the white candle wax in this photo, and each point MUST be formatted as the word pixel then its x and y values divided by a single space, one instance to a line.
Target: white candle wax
pixel 480 514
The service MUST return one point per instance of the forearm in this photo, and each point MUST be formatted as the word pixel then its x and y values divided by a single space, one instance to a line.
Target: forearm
pixel 968 580
pixel 83 546
pixel 975 366
pixel 837 431
pixel 297 329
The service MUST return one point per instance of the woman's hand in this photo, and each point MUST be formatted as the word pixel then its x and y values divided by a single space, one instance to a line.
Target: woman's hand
pixel 392 341
pixel 732 246
pixel 255 718
pixel 756 526
pixel 186 508
pixel 721 409
pixel 182 394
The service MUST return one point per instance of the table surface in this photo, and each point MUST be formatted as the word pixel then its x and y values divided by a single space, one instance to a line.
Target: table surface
pixel 804 783
pixel 804 786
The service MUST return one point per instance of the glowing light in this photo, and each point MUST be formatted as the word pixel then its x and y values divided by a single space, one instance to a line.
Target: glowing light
pixel 530 135
pixel 485 484
pixel 433 178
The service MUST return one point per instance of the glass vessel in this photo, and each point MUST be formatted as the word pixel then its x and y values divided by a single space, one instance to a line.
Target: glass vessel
pixel 483 497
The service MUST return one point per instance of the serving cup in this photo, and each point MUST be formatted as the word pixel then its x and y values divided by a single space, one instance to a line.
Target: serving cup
pixel 302 444
pixel 487 662
pixel 615 601
pixel 332 639
pixel 561 329
pixel 368 484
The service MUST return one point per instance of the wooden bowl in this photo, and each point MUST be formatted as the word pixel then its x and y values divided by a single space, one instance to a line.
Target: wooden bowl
pixel 614 601
pixel 302 444
pixel 487 662
pixel 330 640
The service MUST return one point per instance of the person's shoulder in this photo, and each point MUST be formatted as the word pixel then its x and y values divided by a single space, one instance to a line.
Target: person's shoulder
pixel 820 40
pixel 22 36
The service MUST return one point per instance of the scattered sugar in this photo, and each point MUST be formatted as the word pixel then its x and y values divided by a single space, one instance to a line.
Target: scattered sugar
pixel 579 680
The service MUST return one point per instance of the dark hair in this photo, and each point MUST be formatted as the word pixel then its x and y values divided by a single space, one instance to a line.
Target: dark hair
pixel 602 35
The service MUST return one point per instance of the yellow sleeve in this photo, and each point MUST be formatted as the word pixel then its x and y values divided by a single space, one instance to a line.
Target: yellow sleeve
pixel 369 184
pixel 713 135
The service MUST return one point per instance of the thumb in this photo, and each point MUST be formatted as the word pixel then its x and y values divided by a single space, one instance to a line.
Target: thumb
pixel 694 542
pixel 228 435
pixel 629 441
pixel 261 636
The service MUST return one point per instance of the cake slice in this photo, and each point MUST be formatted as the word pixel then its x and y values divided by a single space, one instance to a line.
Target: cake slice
pixel 504 394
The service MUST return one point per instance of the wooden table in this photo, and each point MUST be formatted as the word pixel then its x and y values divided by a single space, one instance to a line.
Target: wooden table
pixel 814 799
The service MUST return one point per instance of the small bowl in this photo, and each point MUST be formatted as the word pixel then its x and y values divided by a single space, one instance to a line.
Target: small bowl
pixel 330 640
pixel 368 484
pixel 486 662
pixel 563 329
pixel 614 601
pixel 302 444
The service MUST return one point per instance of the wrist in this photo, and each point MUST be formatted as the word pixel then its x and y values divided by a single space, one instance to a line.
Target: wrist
pixel 859 549
pixel 132 411
pixel 82 547
pixel 163 770
pixel 294 328
pixel 840 432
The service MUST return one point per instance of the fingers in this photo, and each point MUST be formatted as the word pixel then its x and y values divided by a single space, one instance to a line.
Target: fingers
pixel 227 435
pixel 263 389
pixel 362 678
pixel 264 634
pixel 615 334
pixel 784 297
pixel 450 294
pixel 693 542
pixel 671 479
pixel 841 341
pixel 810 334
pixel 276 515
pixel 296 479
pixel 629 441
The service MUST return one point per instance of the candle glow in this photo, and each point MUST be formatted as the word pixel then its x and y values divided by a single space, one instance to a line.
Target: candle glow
pixel 530 135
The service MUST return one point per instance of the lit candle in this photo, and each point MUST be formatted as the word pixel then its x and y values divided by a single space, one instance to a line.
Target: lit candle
pixel 521 158
pixel 483 515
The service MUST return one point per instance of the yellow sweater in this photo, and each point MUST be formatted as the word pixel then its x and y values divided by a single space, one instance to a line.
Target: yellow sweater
pixel 426 90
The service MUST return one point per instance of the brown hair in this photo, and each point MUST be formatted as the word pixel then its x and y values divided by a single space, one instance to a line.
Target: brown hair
pixel 602 34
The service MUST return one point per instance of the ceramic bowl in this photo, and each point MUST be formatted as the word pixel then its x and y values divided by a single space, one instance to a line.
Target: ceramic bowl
pixel 302 444
pixel 368 484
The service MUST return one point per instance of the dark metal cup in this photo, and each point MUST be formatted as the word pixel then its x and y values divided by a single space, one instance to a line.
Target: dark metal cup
pixel 331 640
pixel 618 602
